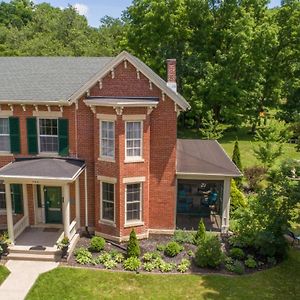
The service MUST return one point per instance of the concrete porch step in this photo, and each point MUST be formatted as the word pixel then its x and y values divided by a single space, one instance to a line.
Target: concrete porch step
pixel 32 257
pixel 27 251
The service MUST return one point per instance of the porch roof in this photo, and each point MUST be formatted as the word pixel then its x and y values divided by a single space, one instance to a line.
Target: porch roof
pixel 204 157
pixel 57 169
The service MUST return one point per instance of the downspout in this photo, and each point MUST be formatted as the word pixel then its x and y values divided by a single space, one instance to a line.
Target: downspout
pixel 86 202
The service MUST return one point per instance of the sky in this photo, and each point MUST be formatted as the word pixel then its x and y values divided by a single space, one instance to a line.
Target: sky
pixel 94 10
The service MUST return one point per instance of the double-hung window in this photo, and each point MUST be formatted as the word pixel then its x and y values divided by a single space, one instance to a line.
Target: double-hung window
pixel 16 198
pixel 108 202
pixel 4 135
pixel 107 139
pixel 133 140
pixel 48 135
pixel 133 202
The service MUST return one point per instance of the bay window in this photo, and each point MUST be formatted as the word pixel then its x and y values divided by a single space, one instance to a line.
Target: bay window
pixel 133 202
pixel 108 201
pixel 107 139
pixel 133 140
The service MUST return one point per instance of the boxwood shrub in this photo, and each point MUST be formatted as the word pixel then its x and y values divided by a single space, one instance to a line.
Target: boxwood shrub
pixel 97 244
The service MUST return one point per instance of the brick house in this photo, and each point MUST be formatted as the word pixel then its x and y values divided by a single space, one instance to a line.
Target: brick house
pixel 91 144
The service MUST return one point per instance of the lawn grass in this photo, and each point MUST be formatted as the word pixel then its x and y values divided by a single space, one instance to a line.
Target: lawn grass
pixel 3 273
pixel 281 282
pixel 246 144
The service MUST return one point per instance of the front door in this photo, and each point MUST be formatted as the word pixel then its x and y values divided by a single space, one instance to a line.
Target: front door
pixel 53 201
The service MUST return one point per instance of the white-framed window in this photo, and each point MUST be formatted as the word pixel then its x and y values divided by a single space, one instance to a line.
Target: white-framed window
pixel 108 202
pixel 133 202
pixel 48 135
pixel 107 139
pixel 134 140
pixel 4 135
pixel 2 197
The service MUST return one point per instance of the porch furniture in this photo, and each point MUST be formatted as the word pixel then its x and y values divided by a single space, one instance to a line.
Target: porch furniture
pixel 294 237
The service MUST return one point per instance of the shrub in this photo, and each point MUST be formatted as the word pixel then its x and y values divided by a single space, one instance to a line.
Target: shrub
pixel 157 262
pixel 272 261
pixel 160 247
pixel 209 253
pixel 132 263
pixel 186 262
pixel 236 253
pixel 149 266
pixel 254 176
pixel 172 249
pixel 200 235
pixel 182 268
pixel 191 253
pixel 250 262
pixel 133 248
pixel 183 236
pixel 237 198
pixel 166 267
pixel 238 267
pixel 83 256
pixel 97 244
pixel 110 264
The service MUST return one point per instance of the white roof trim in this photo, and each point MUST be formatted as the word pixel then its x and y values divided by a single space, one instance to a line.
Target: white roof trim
pixel 139 65
pixel 206 174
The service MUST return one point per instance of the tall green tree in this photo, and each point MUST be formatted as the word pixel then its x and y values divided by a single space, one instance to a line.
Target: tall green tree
pixel 236 158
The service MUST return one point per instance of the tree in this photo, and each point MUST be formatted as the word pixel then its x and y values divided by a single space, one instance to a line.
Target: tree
pixel 236 158
pixel 200 235
pixel 211 128
pixel 271 139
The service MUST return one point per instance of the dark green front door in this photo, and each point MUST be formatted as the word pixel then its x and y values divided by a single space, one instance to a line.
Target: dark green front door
pixel 53 202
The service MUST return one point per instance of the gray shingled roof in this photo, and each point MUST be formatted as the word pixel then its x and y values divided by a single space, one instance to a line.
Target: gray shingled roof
pixel 46 78
pixel 41 168
pixel 205 157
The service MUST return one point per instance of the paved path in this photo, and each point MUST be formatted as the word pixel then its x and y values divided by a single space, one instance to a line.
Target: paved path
pixel 22 277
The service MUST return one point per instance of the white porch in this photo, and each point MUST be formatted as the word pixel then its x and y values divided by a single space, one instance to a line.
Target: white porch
pixel 34 224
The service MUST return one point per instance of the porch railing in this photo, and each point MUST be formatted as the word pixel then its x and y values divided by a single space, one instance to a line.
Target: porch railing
pixel 72 229
pixel 20 226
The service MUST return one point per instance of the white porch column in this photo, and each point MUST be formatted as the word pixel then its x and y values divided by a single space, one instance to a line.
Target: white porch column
pixel 25 202
pixel 226 205
pixel 10 221
pixel 77 202
pixel 66 210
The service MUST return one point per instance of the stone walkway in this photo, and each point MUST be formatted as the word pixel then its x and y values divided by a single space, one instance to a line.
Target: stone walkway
pixel 22 276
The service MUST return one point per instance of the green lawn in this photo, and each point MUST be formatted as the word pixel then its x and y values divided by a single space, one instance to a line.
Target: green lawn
pixel 281 282
pixel 246 143
pixel 3 273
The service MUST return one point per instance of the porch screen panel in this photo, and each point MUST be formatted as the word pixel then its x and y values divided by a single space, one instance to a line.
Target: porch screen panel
pixel 14 128
pixel 63 137
pixel 32 136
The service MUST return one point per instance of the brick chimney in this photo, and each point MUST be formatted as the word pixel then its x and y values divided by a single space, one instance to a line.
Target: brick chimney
pixel 171 70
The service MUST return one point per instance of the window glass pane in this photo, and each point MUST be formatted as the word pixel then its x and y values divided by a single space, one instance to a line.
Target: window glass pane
pixel 133 138
pixel 107 139
pixel 48 144
pixel 4 126
pixel 133 198
pixel 48 135
pixel 108 201
pixel 2 197
pixel 4 143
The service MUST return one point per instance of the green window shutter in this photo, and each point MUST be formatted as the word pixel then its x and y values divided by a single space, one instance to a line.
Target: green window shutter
pixel 32 136
pixel 14 133
pixel 17 198
pixel 63 137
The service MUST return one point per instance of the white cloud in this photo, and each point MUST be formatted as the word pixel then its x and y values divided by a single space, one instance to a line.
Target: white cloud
pixel 82 9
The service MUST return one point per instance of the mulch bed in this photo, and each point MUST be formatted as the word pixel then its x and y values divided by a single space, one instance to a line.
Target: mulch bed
pixel 149 245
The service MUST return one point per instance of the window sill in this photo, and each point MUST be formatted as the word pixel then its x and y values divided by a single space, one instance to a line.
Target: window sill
pixel 107 159
pixel 4 153
pixel 135 160
pixel 108 223
pixel 134 224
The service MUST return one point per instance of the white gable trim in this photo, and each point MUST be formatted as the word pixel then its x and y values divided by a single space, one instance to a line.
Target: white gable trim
pixel 141 67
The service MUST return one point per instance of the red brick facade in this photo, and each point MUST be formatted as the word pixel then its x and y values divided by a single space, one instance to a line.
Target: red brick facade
pixel 159 154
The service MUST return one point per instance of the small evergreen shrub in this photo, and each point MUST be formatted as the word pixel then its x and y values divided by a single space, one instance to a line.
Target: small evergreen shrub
pixel 236 158
pixel 83 256
pixel 209 253
pixel 133 247
pixel 250 262
pixel 200 235
pixel 237 198
pixel 172 249
pixel 97 244
pixel 238 267
pixel 160 247
pixel 132 263
pixel 183 236
pixel 236 253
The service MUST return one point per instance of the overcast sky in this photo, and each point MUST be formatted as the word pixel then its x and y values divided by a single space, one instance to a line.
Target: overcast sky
pixel 94 10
